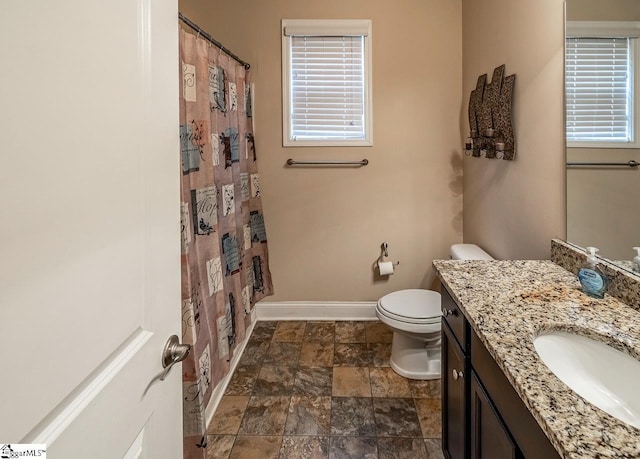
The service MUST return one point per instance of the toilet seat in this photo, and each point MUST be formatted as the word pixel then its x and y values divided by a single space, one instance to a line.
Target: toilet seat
pixel 414 306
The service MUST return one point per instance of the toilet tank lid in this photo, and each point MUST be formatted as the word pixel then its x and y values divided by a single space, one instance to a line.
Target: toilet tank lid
pixel 469 252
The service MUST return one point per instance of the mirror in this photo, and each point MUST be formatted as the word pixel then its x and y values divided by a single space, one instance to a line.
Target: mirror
pixel 603 200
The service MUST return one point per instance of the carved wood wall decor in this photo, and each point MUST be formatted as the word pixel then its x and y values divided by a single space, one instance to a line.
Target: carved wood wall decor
pixel 491 130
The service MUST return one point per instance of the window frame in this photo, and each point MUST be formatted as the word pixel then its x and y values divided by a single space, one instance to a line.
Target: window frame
pixel 326 27
pixel 610 29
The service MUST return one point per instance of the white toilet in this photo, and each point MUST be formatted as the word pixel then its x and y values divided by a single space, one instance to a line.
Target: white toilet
pixel 414 316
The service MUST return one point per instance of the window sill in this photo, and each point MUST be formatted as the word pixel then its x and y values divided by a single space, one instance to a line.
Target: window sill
pixel 604 145
pixel 328 143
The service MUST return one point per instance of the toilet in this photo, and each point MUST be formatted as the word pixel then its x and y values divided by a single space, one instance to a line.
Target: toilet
pixel 414 316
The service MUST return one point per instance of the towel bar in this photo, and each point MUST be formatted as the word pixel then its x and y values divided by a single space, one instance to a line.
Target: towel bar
pixel 632 164
pixel 292 162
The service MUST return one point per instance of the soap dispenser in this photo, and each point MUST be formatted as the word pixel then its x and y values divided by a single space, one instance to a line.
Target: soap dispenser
pixel 636 260
pixel 594 282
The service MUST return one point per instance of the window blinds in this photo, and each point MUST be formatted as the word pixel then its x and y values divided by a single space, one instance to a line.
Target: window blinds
pixel 327 87
pixel 599 89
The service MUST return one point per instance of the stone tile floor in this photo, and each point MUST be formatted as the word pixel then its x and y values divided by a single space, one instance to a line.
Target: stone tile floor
pixel 324 390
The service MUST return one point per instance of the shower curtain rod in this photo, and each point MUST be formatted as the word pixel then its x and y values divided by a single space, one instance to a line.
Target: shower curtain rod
pixel 209 38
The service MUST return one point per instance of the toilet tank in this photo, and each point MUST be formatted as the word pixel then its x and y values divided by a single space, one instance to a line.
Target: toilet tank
pixel 468 252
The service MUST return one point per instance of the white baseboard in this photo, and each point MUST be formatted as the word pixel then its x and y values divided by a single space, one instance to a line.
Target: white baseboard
pixel 316 310
pixel 219 390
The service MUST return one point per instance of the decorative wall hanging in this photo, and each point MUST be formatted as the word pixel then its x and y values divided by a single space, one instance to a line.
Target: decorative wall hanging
pixel 490 127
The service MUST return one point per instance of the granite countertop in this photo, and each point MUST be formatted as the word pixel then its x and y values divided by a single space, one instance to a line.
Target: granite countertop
pixel 508 303
pixel 629 265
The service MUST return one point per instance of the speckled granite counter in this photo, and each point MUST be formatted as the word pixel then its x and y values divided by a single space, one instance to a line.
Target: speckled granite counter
pixel 508 303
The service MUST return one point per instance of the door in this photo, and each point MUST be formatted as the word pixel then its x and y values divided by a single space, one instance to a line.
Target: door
pixel 489 437
pixel 89 227
pixel 454 400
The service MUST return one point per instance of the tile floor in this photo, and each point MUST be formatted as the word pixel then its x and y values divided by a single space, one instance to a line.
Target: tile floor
pixel 324 390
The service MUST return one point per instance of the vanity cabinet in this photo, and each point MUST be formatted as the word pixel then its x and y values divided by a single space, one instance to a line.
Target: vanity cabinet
pixel 454 396
pixel 482 415
pixel 489 436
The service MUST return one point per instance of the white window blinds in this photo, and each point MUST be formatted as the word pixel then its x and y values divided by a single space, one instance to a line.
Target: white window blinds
pixel 327 88
pixel 326 83
pixel 599 89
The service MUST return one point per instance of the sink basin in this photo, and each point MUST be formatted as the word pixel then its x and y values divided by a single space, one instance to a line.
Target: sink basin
pixel 606 377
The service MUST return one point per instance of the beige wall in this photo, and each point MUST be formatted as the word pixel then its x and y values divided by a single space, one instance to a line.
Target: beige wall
pixel 603 10
pixel 513 209
pixel 325 226
pixel 602 205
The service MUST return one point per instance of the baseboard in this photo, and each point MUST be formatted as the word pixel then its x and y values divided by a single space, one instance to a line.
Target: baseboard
pixel 316 310
pixel 219 390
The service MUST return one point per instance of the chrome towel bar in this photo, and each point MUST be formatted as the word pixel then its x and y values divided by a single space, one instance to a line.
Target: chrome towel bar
pixel 293 162
pixel 632 164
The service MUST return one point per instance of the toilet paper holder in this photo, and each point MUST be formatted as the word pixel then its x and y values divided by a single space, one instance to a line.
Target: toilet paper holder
pixel 385 253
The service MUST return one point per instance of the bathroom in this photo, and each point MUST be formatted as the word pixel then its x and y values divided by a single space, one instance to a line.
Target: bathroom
pixel 413 193
pixel 419 192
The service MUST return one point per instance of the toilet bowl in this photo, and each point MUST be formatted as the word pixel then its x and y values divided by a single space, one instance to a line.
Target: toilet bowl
pixel 414 316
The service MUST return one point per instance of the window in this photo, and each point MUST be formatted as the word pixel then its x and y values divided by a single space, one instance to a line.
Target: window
pixel 601 85
pixel 326 82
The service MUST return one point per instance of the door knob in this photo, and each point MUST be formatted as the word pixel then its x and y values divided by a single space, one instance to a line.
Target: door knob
pixel 457 375
pixel 173 353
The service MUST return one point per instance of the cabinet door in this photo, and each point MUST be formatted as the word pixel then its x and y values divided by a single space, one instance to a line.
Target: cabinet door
pixel 489 437
pixel 454 402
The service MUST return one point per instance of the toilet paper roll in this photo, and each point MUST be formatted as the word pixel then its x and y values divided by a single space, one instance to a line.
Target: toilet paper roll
pixel 385 268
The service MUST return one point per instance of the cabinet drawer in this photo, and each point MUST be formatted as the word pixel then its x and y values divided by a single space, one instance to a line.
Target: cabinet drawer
pixel 452 316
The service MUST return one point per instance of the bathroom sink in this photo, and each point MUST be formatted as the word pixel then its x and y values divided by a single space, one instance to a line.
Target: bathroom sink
pixel 606 377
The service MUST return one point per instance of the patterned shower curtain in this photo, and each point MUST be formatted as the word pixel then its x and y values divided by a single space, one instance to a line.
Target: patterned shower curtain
pixel 224 244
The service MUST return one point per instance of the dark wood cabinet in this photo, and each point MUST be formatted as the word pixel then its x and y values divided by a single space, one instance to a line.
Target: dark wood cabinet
pixel 454 398
pixel 531 441
pixel 454 318
pixel 482 415
pixel 489 437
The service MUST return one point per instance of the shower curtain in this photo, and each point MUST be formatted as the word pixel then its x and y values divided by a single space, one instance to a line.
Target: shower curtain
pixel 224 244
